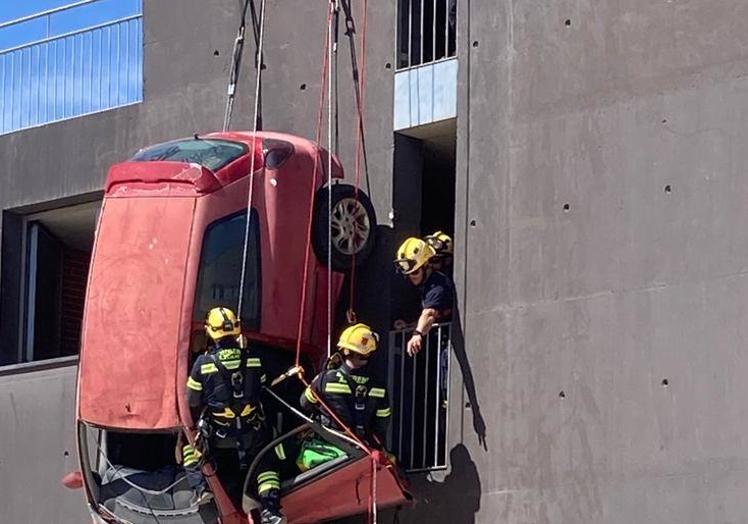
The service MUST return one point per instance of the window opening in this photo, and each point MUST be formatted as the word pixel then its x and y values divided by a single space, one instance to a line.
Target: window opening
pixel 221 266
pixel 46 257
pixel 424 197
pixel 426 31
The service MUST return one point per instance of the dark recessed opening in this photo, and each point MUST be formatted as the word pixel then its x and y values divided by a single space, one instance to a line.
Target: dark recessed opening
pixel 44 284
pixel 665 382
pixel 562 395
pixel 567 208
pixel 475 43
pixel 567 22
pixel 302 87
pixel 388 66
pixel 216 53
pixel 668 189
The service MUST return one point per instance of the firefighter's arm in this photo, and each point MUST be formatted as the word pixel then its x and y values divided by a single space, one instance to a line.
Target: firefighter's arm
pixel 425 321
pixel 195 392
pixel 382 417
pixel 309 398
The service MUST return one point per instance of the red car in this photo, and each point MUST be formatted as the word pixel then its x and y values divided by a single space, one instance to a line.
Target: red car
pixel 169 246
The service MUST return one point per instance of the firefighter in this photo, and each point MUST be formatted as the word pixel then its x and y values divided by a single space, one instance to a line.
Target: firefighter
pixel 437 290
pixel 223 392
pixel 443 251
pixel 356 398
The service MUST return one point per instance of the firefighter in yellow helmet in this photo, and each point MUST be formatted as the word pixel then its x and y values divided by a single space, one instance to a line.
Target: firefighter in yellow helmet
pixel 223 392
pixel 443 251
pixel 437 291
pixel 356 398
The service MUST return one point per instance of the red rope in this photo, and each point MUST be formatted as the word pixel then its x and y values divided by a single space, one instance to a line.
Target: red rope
pixel 318 134
pixel 305 282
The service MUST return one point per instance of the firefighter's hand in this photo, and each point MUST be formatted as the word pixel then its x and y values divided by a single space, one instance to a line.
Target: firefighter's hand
pixel 414 344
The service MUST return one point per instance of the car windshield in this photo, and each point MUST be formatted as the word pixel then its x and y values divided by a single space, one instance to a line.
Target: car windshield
pixel 212 154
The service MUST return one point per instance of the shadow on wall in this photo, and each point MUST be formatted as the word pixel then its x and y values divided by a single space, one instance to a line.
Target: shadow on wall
pixel 458 346
pixel 455 500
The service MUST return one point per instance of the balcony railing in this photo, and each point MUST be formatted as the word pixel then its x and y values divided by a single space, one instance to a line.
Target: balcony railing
pixel 70 61
pixel 420 394
pixel 426 31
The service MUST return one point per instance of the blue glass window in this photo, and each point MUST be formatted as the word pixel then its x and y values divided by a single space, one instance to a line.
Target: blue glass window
pixel 74 58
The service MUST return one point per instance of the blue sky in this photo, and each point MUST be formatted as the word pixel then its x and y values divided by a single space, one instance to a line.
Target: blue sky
pixel 60 23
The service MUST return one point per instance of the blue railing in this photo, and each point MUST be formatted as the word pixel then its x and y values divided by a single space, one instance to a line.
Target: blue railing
pixel 70 61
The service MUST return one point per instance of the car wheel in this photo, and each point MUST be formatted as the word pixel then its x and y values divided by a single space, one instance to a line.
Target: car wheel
pixel 353 226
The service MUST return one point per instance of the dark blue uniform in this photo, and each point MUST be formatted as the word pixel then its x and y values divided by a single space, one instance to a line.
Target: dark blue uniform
pixel 225 385
pixel 357 400
pixel 437 292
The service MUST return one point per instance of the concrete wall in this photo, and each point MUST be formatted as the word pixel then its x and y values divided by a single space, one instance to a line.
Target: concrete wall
pixel 38 447
pixel 629 286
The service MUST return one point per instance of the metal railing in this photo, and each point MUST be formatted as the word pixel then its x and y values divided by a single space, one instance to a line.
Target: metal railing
pixel 71 71
pixel 420 392
pixel 426 31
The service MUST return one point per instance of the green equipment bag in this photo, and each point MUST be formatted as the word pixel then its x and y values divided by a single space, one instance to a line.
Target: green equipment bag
pixel 316 451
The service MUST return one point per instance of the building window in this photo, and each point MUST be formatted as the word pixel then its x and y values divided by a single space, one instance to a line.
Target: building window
pixel 426 31
pixel 420 399
pixel 221 267
pixel 46 257
pixel 69 61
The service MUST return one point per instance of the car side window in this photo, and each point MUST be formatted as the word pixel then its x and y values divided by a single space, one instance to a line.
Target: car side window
pixel 220 269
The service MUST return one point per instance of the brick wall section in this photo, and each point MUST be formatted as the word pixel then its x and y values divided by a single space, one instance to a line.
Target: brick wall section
pixel 74 277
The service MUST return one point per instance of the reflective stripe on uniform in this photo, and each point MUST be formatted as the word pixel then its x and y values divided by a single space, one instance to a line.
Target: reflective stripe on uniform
pixel 206 369
pixel 267 475
pixel 267 486
pixel 376 392
pixel 194 384
pixel 231 364
pixel 267 480
pixel 382 413
pixel 334 387
pixel 263 378
pixel 309 395
pixel 254 362
pixel 190 456
pixel 226 413
pixel 280 452
pixel 188 462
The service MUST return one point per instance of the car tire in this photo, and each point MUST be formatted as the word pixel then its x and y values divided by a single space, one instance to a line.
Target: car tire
pixel 353 227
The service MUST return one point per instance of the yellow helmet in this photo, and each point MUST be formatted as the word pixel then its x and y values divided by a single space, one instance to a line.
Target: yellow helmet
pixel 359 338
pixel 413 254
pixel 222 322
pixel 441 242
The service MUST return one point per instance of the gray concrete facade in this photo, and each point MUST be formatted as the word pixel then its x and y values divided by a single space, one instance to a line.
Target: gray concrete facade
pixel 600 371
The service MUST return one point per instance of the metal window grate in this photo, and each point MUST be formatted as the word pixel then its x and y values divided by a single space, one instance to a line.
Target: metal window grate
pixel 420 392
pixel 68 73
pixel 426 31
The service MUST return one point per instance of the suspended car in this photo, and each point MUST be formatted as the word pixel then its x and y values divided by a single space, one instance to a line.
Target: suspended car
pixel 176 233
